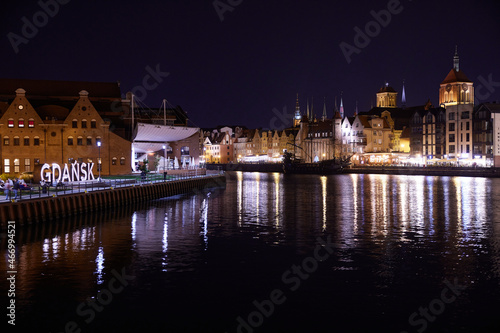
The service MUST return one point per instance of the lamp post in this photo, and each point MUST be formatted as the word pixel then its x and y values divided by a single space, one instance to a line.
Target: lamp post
pixel 99 145
pixel 164 156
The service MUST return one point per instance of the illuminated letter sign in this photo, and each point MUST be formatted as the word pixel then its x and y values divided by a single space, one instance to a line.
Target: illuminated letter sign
pixel 77 172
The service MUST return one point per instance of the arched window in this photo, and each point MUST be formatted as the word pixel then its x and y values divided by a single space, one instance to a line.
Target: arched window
pixel 74 123
pixel 16 141
pixel 36 141
pixel 122 160
pixel 89 141
pixel 20 123
pixel 79 141
pixel 10 122
pixel 6 141
pixel 84 123
pixel 26 140
pixel 113 161
pixel 70 140
pixel 31 123
pixel 93 123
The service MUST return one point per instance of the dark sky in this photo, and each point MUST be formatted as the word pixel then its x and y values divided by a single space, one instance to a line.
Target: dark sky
pixel 238 70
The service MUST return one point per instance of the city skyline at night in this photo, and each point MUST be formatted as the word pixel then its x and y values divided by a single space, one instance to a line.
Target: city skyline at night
pixel 235 62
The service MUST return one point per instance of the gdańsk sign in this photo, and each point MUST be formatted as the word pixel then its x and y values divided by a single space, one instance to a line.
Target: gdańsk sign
pixel 76 172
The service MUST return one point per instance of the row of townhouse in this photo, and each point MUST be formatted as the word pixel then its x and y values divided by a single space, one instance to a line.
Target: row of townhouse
pixel 455 133
pixel 228 145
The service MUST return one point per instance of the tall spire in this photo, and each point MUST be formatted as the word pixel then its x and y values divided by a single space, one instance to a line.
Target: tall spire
pixel 403 96
pixel 297 116
pixel 336 108
pixel 324 109
pixel 356 109
pixel 455 59
pixel 341 107
pixel 307 112
pixel 312 106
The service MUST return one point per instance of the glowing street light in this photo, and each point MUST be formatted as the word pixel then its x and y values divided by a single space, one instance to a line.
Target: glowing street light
pixel 99 145
pixel 164 156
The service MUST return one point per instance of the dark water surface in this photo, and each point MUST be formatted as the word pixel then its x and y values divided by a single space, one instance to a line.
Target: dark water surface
pixel 272 253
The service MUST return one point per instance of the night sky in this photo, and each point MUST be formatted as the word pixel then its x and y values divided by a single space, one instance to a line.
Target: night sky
pixel 236 71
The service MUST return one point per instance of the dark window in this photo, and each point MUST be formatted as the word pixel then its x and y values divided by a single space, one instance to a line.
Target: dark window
pixel 84 124
pixel 26 141
pixel 79 141
pixel 71 160
pixel 467 126
pixel 451 127
pixel 37 161
pixel 89 141
pixel 452 149
pixel 80 160
pixel 113 161
pixel 122 161
pixel 452 138
pixel 467 137
pixel 36 141
pixel 70 141
pixel 74 124
pixel 16 141
pixel 93 124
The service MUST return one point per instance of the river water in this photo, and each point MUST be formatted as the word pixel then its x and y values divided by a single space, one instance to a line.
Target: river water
pixel 272 253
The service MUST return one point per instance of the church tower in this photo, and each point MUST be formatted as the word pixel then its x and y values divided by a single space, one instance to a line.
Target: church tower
pixel 456 88
pixel 386 97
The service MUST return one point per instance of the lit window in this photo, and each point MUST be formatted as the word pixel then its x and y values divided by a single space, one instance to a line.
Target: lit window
pixel 122 161
pixel 10 123
pixel 20 123
pixel 6 165
pixel 27 165
pixel 16 165
pixel 6 141
pixel 31 123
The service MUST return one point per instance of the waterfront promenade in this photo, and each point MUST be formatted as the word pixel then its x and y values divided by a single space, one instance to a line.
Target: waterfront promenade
pixel 38 205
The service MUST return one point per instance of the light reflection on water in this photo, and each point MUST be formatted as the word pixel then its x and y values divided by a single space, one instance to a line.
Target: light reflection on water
pixel 398 238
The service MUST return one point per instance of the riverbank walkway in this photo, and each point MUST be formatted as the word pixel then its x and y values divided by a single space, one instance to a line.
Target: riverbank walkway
pixel 36 191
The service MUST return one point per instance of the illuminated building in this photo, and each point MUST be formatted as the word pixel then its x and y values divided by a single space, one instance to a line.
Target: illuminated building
pixel 456 94
pixel 61 122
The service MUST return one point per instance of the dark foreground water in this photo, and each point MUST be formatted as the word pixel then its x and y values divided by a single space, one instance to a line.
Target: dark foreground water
pixel 272 253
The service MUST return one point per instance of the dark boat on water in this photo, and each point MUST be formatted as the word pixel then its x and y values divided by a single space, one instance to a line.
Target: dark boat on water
pixel 326 167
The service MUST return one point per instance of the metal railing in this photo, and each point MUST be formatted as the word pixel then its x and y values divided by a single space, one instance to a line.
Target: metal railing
pixel 39 191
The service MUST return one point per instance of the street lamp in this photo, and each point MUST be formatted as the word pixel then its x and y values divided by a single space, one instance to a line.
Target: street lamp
pixel 164 156
pixel 99 145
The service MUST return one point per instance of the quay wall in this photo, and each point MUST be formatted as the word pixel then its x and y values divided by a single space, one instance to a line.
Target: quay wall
pixel 49 208
pixel 386 170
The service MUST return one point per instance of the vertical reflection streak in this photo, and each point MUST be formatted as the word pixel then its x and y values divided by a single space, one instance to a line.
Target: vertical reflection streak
pixel 100 265
pixel 239 176
pixel 277 199
pixel 323 193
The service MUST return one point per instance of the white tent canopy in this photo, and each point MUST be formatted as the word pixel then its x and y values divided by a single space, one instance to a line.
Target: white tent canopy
pixel 153 133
